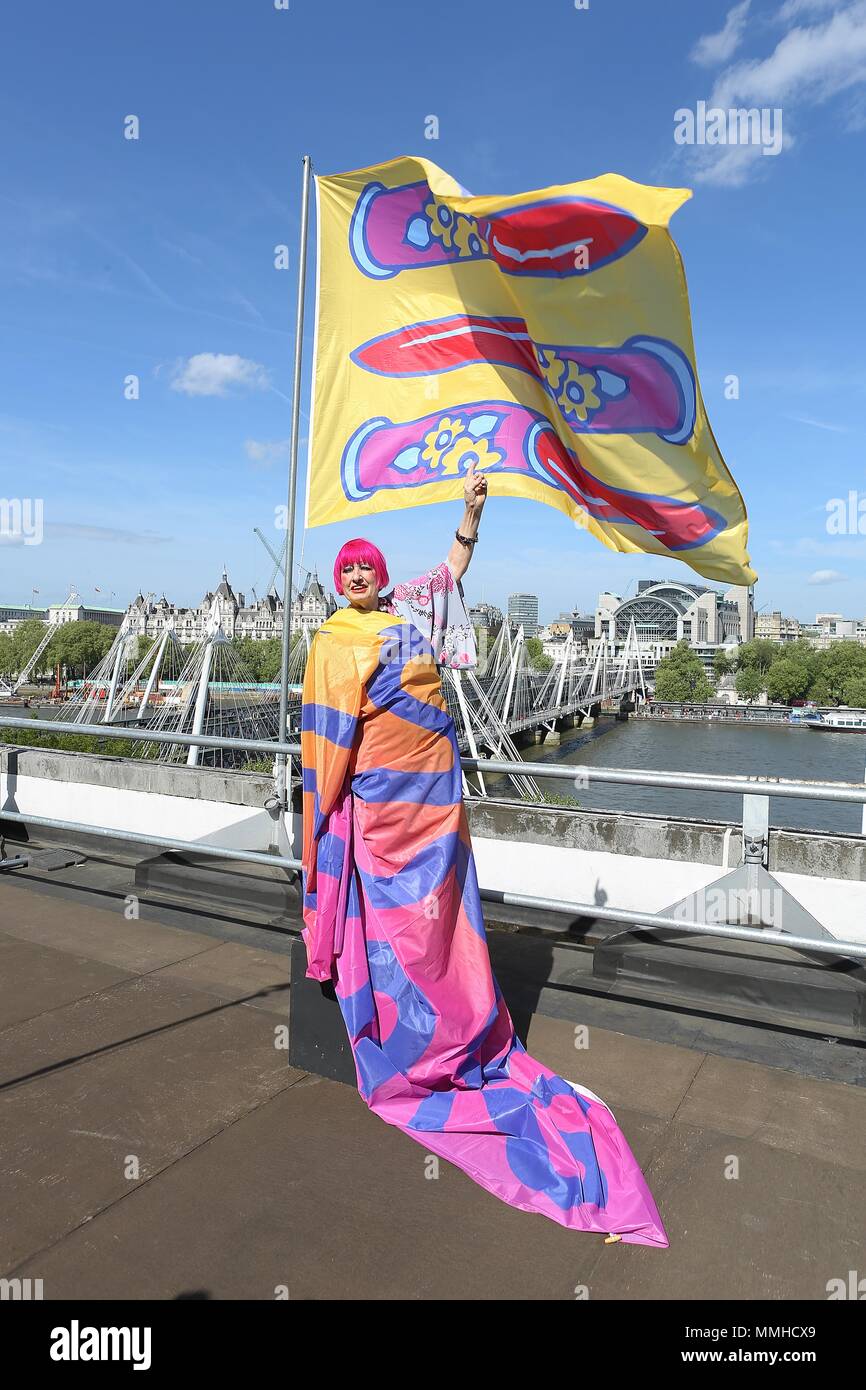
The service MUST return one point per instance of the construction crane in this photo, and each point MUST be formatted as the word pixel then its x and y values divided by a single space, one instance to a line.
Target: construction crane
pixel 31 665
pixel 279 561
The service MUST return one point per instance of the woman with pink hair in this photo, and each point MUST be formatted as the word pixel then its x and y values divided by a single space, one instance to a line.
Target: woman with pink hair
pixel 392 911
pixel 435 599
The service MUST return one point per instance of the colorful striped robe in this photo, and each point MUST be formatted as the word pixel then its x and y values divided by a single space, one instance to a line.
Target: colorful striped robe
pixel 393 917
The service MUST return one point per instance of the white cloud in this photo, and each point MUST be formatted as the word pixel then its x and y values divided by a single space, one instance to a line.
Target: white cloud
pixel 807 64
pixel 826 577
pixel 834 548
pixel 718 48
pixel 265 452
pixel 70 530
pixel 215 373
pixel 729 166
pixel 793 8
pixel 812 63
pixel 818 424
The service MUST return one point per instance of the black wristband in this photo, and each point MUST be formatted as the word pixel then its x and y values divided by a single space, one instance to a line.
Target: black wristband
pixel 466 540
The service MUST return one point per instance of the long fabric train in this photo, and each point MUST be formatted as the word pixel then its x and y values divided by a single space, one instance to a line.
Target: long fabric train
pixel 393 916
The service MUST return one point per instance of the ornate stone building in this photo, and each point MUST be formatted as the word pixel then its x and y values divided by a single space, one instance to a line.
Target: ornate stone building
pixel 256 621
pixel 312 606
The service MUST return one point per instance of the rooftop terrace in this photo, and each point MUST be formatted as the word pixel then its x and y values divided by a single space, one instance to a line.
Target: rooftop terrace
pixel 155 1038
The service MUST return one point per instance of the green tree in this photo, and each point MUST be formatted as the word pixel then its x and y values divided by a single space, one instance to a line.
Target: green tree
pixel 41 737
pixel 535 652
pixel 749 683
pixel 801 650
pixel 855 692
pixel 819 691
pixel 681 676
pixel 246 649
pixel 841 663
pixel 758 655
pixel 271 658
pixel 722 664
pixel 25 640
pixel 788 679
pixel 264 659
pixel 7 654
pixel 80 646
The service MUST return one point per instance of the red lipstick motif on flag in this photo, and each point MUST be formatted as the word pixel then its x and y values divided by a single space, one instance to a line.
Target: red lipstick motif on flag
pixel 645 386
pixel 503 437
pixel 407 228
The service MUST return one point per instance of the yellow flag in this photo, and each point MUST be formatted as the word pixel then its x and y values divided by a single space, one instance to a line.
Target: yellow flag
pixel 545 336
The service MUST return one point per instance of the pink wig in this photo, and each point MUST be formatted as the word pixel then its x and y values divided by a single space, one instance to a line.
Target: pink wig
pixel 364 553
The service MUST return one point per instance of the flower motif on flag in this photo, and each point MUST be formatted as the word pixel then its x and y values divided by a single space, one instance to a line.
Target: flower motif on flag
pixel 442 222
pixel 439 440
pixel 468 239
pixel 550 366
pixel 577 394
pixel 450 448
pixel 466 451
pixel 455 231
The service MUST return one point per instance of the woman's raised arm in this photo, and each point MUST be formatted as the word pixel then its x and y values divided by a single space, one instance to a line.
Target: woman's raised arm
pixel 474 496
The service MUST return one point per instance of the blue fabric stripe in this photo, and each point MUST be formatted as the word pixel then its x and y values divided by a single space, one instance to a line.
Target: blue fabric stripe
pixel 374 1068
pixel 544 1088
pixel 467 881
pixel 332 724
pixel 353 906
pixel 358 1011
pixel 420 788
pixel 332 853
pixel 320 820
pixel 416 1018
pixel 422 875
pixel 434 1112
pixel 529 1157
pixel 470 1067
pixel 385 689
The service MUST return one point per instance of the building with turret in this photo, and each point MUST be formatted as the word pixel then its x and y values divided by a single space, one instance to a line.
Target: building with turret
pixel 256 622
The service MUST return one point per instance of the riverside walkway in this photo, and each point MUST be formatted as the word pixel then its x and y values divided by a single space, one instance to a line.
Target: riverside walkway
pixel 155 1143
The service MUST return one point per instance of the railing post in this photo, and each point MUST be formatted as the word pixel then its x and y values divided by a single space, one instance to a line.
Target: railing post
pixel 756 829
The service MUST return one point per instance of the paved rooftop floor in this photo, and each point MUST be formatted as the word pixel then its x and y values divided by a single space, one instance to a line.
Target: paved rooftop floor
pixel 155 1143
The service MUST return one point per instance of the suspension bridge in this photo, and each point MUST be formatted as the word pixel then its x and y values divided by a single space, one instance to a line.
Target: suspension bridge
pixel 206 688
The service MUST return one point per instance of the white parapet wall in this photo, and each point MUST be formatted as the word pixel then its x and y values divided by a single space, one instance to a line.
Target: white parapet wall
pixel 638 862
pixel 648 863
pixel 200 804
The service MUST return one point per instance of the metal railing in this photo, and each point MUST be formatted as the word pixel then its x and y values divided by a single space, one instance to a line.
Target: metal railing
pixel 746 786
pixel 683 781
pixel 258 745
pixel 50 726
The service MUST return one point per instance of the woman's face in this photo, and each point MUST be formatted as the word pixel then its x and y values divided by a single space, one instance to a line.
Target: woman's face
pixel 360 585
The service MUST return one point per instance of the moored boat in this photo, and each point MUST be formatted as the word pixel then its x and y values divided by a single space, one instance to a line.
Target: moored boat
pixel 843 721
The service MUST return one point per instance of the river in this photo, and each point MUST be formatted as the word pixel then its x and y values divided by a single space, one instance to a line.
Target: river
pixel 710 747
pixel 697 746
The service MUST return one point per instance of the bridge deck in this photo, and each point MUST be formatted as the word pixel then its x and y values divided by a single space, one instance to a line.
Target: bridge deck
pixel 155 1039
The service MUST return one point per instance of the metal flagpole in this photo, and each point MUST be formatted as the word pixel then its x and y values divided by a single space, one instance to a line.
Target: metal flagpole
pixel 283 769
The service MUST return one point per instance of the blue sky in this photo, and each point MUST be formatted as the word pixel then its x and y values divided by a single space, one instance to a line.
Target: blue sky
pixel 122 257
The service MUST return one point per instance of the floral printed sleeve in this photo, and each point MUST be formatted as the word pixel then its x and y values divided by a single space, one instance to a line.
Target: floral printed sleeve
pixel 434 603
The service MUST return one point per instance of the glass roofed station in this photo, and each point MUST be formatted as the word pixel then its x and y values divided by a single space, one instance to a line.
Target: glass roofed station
pixel 666 611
